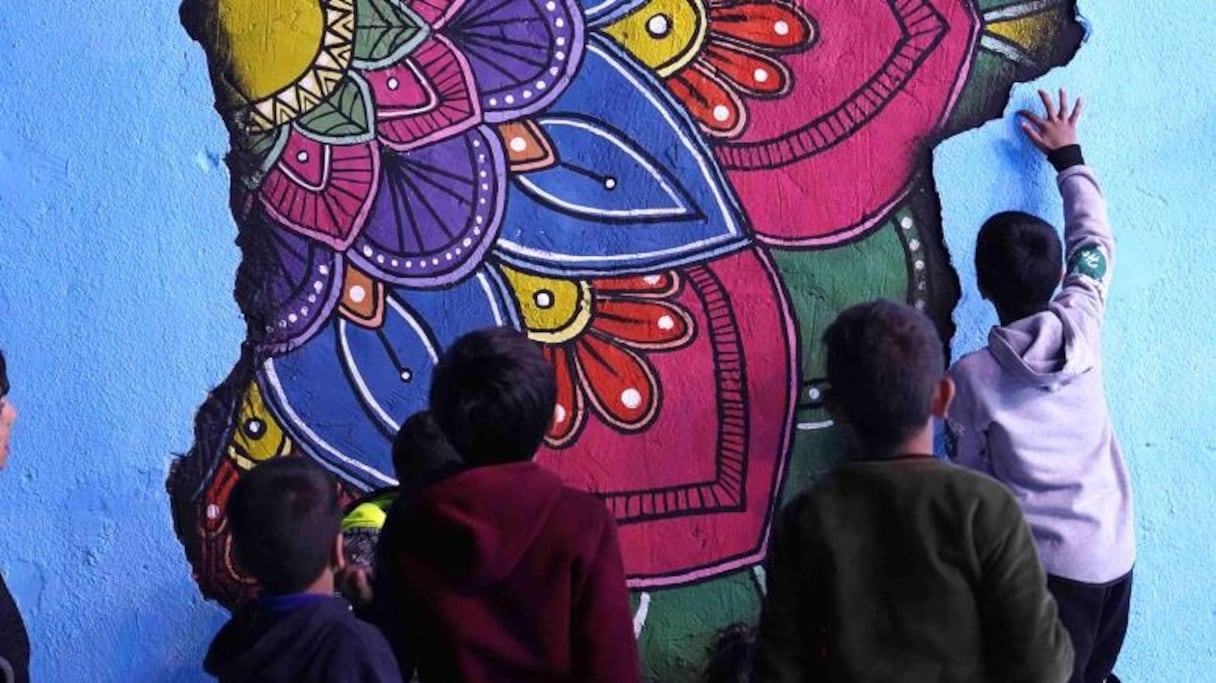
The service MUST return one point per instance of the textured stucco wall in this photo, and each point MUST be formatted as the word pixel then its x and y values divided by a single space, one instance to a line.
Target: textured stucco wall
pixel 115 309
pixel 114 325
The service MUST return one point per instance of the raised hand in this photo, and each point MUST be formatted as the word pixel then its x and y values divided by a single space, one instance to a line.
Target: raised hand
pixel 353 581
pixel 1058 128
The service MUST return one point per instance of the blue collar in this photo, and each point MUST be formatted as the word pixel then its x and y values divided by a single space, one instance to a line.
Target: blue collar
pixel 291 602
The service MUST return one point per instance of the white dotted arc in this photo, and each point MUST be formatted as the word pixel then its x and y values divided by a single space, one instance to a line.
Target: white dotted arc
pixel 484 170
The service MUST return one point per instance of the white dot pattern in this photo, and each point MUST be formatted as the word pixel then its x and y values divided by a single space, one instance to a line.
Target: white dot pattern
pixel 485 169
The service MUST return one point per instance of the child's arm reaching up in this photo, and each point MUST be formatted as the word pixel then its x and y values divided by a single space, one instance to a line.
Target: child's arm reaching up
pixel 1089 246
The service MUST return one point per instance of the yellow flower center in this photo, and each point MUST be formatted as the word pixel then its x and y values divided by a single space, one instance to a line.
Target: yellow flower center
pixel 257 437
pixel 664 34
pixel 270 43
pixel 554 311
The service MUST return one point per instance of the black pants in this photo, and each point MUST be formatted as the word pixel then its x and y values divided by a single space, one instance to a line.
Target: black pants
pixel 1095 616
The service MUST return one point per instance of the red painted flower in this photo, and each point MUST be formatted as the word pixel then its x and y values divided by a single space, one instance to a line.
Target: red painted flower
pixel 714 55
pixel 865 105
pixel 598 335
pixel 677 389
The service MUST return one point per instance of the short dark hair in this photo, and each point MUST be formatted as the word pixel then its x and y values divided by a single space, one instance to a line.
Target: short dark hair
pixel 285 515
pixel 1018 258
pixel 884 361
pixel 493 395
pixel 421 449
pixel 3 376
pixel 732 655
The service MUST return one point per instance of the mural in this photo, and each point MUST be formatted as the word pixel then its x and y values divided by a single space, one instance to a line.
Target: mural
pixel 672 197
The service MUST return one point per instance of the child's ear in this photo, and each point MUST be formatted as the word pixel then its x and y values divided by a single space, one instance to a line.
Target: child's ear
pixel 337 557
pixel 943 396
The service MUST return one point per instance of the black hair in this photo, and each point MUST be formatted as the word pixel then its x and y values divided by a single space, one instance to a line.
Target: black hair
pixel 1018 259
pixel 285 515
pixel 732 655
pixel 493 395
pixel 4 387
pixel 884 361
pixel 421 451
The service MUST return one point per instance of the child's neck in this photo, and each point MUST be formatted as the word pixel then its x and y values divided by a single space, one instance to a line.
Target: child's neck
pixel 1010 317
pixel 920 443
pixel 324 585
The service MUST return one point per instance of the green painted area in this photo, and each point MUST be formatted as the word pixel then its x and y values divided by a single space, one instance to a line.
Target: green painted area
pixel 823 283
pixel 344 116
pixel 978 101
pixel 682 622
pixel 385 32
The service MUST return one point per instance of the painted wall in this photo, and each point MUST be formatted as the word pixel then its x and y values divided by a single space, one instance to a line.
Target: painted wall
pixel 116 309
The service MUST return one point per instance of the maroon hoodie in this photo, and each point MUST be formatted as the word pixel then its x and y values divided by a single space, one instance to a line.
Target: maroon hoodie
pixel 501 573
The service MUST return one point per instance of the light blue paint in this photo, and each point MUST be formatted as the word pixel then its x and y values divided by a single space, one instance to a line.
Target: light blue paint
pixel 1147 74
pixel 116 263
pixel 116 270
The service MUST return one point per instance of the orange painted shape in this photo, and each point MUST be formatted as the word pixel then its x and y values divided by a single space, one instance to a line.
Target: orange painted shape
pixel 528 148
pixel 362 298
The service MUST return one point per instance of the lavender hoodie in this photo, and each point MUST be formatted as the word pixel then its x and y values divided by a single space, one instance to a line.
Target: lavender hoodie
pixel 1031 408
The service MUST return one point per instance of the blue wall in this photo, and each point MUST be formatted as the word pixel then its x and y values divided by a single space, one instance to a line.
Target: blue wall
pixel 116 262
pixel 116 312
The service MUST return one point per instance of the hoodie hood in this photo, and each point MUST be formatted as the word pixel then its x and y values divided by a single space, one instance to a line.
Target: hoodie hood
pixel 475 527
pixel 1042 350
pixel 261 645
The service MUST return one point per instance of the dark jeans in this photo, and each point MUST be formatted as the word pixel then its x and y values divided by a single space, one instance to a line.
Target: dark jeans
pixel 1095 616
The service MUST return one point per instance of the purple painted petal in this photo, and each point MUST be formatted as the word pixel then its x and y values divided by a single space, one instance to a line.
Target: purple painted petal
pixel 436 213
pixel 522 52
pixel 294 287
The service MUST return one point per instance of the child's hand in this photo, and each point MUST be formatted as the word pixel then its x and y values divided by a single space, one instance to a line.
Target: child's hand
pixel 354 583
pixel 1058 130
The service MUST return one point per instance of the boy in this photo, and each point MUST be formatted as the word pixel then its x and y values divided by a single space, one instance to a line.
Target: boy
pixel 285 518
pixel 899 566
pixel 1031 409
pixel 500 572
pixel 422 456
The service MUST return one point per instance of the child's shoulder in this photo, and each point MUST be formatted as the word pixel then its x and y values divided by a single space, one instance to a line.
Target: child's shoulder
pixel 342 627
pixel 580 509
pixel 928 481
pixel 972 362
pixel 975 368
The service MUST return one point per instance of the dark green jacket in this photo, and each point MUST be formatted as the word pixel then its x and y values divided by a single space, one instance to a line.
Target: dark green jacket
pixel 908 570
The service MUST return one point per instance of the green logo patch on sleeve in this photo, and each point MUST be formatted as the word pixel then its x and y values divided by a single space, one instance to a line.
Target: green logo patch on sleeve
pixel 1089 261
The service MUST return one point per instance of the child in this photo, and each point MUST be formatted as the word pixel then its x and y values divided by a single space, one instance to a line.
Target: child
pixel 899 566
pixel 285 518
pixel 1031 409
pixel 422 456
pixel 501 572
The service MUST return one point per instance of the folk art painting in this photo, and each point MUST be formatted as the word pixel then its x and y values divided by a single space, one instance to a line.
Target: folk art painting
pixel 671 197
